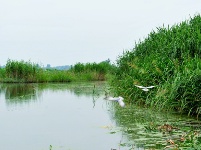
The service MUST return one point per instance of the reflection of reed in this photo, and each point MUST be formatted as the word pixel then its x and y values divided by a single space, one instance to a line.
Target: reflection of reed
pixel 92 89
pixel 2 89
pixel 20 93
pixel 78 88
pixel 89 89
pixel 24 93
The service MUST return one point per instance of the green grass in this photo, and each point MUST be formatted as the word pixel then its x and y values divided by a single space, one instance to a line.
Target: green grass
pixel 170 59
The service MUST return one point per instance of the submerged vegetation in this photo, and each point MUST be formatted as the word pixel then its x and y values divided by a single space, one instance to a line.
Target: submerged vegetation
pixel 27 72
pixel 150 130
pixel 170 59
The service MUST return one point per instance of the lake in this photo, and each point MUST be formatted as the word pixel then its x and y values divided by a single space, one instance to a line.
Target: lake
pixel 55 116
pixel 75 116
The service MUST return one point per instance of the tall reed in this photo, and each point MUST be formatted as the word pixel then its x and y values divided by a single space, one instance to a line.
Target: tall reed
pixel 21 70
pixel 95 71
pixel 170 59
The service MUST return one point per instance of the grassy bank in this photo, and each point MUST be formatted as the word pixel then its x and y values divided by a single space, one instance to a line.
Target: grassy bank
pixel 28 72
pixel 170 59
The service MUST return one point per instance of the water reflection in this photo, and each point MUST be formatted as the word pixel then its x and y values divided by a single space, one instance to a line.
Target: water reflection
pixel 78 88
pixel 24 93
pixel 19 93
pixel 136 127
pixel 63 118
pixel 88 89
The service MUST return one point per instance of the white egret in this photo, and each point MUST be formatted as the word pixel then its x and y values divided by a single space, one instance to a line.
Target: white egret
pixel 114 98
pixel 145 88
pixel 121 103
pixel 117 99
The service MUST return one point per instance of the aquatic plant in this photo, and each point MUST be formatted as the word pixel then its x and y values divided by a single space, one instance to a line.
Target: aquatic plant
pixel 21 70
pixel 168 58
pixel 99 70
pixel 2 73
pixel 156 130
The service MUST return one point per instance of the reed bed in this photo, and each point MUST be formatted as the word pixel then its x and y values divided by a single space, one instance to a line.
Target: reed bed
pixel 170 59
pixel 21 72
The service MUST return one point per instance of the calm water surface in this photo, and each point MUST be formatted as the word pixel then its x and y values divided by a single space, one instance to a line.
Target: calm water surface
pixel 75 116
pixel 65 116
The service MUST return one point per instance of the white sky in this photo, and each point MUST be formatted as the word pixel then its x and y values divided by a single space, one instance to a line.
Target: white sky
pixel 64 32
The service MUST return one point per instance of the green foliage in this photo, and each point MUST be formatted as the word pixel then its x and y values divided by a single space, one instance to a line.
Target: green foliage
pixel 98 69
pixel 21 70
pixel 79 67
pixel 169 58
pixel 2 73
pixel 102 67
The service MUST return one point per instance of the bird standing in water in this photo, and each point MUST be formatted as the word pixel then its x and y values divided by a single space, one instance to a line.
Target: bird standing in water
pixel 118 99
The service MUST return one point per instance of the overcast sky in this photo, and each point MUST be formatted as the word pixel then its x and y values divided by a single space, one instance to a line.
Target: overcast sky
pixel 64 32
